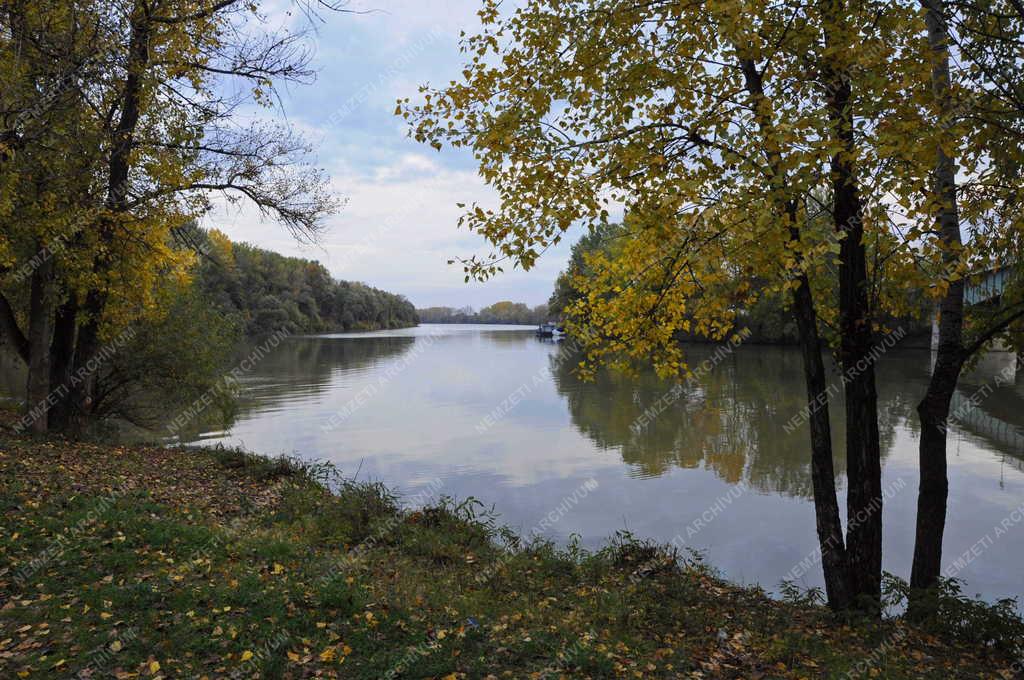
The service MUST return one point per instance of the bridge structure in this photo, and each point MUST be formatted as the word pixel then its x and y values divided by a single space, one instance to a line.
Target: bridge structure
pixel 1005 434
pixel 989 402
pixel 992 421
pixel 984 287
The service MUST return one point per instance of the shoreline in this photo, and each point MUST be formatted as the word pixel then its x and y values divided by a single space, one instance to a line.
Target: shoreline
pixel 171 562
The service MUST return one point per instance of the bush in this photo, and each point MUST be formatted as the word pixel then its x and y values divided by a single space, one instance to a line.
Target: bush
pixel 172 359
pixel 260 467
pixel 948 613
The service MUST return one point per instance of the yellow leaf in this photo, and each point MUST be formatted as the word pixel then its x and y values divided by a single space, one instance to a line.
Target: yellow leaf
pixel 246 655
pixel 115 646
pixel 154 666
pixel 328 654
pixel 278 568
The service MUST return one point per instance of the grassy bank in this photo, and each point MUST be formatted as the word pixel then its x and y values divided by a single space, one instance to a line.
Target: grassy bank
pixel 149 562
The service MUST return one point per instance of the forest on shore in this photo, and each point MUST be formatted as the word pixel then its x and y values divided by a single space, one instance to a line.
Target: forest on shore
pixel 271 292
pixel 506 311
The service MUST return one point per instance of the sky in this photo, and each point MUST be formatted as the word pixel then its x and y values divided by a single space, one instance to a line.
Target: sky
pixel 398 227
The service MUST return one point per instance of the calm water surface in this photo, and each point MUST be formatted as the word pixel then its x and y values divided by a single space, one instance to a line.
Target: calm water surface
pixel 495 413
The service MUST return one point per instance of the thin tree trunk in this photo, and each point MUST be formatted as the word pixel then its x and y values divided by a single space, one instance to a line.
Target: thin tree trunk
pixel 119 168
pixel 826 505
pixel 933 410
pixel 40 331
pixel 863 456
pixel 62 350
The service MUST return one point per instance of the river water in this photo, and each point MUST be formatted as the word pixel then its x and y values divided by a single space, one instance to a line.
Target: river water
pixel 495 413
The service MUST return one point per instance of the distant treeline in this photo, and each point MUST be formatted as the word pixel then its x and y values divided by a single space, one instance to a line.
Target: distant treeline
pixel 271 292
pixel 499 312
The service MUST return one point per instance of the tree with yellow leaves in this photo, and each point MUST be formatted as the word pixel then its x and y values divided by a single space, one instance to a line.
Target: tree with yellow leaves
pixel 129 104
pixel 977 131
pixel 749 142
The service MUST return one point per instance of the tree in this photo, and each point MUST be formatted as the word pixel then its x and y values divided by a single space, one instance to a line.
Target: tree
pixel 767 319
pixel 151 87
pixel 169 359
pixel 719 126
pixel 44 168
pixel 983 105
pixel 602 238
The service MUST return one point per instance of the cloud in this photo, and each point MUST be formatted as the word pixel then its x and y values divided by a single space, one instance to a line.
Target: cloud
pixel 399 227
pixel 402 21
pixel 397 232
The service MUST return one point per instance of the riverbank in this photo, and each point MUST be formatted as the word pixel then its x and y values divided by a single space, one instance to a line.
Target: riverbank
pixel 151 562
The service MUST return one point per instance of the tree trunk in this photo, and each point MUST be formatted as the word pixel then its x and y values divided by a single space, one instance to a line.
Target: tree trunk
pixel 83 380
pixel 119 168
pixel 863 456
pixel 826 506
pixel 40 331
pixel 933 491
pixel 62 350
pixel 933 410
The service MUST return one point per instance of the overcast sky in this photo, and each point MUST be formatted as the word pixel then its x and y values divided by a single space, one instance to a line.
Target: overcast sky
pixel 398 227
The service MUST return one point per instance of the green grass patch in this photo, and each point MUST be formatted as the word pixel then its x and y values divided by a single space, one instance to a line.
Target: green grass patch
pixel 219 563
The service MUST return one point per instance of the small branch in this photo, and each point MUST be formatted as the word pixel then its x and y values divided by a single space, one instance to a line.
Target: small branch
pixel 991 333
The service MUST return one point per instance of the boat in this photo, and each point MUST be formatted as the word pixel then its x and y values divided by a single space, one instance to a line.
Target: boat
pixel 550 329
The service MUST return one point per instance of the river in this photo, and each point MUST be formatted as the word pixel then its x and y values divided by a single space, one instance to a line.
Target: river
pixel 495 413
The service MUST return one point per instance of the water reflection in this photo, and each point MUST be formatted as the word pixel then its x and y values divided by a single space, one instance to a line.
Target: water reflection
pixel 300 369
pixel 306 365
pixel 989 403
pixel 730 421
pixel 495 413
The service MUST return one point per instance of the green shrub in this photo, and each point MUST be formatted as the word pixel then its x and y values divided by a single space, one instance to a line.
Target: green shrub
pixel 947 612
